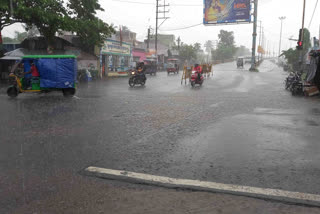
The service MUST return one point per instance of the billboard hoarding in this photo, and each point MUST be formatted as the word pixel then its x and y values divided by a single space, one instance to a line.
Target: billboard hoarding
pixel 115 48
pixel 226 12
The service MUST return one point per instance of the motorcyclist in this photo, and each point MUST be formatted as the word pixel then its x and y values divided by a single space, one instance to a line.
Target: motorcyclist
pixel 141 70
pixel 198 70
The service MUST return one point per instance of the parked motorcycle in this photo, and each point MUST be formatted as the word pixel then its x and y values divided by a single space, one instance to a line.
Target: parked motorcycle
pixel 294 84
pixel 137 78
pixel 195 80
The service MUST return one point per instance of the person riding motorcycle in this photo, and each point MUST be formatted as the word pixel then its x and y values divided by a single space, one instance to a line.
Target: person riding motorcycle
pixel 140 70
pixel 198 70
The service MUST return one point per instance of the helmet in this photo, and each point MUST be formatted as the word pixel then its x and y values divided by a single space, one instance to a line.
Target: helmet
pixel 196 65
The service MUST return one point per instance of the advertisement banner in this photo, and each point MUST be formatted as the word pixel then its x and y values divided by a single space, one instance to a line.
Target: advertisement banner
pixel 226 12
pixel 114 48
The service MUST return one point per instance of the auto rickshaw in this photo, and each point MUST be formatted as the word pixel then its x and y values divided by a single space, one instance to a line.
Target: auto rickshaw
pixel 151 66
pixel 240 62
pixel 57 73
pixel 173 66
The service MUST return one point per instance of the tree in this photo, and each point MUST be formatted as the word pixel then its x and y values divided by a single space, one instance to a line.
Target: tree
pixel 226 47
pixel 293 55
pixel 32 30
pixel 49 16
pixel 188 52
pixel 20 36
pixel 6 16
pixel 242 51
pixel 209 46
pixel 8 40
pixel 226 39
pixel 306 40
pixel 91 29
pixel 197 47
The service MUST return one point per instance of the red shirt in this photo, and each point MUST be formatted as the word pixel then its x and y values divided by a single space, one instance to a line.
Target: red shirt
pixel 198 69
pixel 34 71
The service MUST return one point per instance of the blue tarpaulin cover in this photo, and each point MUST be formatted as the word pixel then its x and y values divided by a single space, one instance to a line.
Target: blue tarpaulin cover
pixel 55 72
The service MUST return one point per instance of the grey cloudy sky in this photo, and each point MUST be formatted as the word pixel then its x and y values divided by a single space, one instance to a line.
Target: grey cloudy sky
pixel 141 14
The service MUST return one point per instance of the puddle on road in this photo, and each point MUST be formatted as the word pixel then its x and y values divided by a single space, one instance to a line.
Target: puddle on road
pixel 275 111
pixel 311 123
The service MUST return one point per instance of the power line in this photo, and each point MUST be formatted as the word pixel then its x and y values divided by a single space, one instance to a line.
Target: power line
pixel 183 28
pixel 315 7
pixel 175 5
pixel 133 2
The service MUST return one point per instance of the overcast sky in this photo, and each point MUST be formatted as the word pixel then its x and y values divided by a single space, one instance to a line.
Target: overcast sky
pixel 139 14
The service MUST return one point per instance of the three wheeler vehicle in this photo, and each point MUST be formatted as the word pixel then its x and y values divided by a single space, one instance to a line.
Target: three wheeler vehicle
pixel 151 66
pixel 240 62
pixel 56 73
pixel 173 66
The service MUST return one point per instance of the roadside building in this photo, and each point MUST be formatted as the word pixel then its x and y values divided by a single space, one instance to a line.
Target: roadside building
pixel 39 46
pixel 115 58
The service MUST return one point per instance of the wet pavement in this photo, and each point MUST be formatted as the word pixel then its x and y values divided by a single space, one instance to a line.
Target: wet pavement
pixel 238 128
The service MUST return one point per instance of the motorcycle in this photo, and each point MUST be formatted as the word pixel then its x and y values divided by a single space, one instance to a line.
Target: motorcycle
pixel 195 78
pixel 137 79
pixel 294 84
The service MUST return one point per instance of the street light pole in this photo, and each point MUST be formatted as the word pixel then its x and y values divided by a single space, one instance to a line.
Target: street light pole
pixel 254 37
pixel 281 19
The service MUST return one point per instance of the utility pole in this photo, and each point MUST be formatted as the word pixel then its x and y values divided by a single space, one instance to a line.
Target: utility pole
pixel 157 19
pixel 254 37
pixel 260 39
pixel 302 32
pixel 156 42
pixel 148 42
pixel 263 44
pixel 281 19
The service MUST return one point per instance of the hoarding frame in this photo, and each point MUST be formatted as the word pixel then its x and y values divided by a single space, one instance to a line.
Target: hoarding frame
pixel 227 22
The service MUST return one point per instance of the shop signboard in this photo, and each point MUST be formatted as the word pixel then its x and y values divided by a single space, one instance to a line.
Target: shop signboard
pixel 112 47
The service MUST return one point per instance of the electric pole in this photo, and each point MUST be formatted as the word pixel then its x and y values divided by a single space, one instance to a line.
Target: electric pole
pixel 148 41
pixel 302 34
pixel 157 19
pixel 254 37
pixel 281 19
pixel 260 40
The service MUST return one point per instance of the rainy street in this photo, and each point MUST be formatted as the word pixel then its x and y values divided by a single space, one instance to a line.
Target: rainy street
pixel 240 128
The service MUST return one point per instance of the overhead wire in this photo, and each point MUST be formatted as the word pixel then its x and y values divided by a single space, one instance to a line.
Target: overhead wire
pixel 148 3
pixel 182 28
pixel 315 7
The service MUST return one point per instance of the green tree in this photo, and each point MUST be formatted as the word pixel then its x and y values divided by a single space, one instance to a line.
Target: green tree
pixel 8 39
pixel 226 47
pixel 91 29
pixel 293 55
pixel 226 39
pixel 209 46
pixel 197 47
pixel 49 16
pixel 242 51
pixel 188 52
pixel 306 40
pixel 6 16
pixel 20 36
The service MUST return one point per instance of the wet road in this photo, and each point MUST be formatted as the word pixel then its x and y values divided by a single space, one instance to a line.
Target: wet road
pixel 238 128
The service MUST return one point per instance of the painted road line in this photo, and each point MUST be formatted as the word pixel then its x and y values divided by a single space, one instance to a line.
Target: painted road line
pixel 264 193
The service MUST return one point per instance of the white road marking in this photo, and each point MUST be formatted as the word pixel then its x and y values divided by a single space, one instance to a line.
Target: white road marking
pixel 77 98
pixel 289 196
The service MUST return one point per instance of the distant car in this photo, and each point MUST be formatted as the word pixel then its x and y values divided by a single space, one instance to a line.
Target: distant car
pixel 247 60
